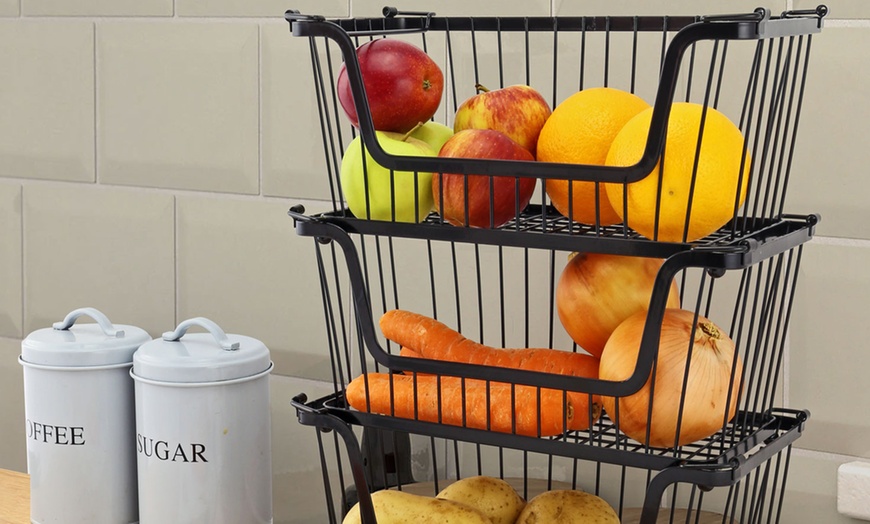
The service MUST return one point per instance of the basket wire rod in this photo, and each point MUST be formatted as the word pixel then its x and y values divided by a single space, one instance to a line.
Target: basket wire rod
pixel 745 126
pixel 606 51
pixel 763 340
pixel 721 73
pixel 555 99
pixel 551 300
pixel 690 72
pixel 331 338
pixel 582 56
pixel 480 301
pixel 797 113
pixel 433 450
pixel 749 359
pixel 784 163
pixel 738 322
pixel 474 57
pixel 699 143
pixel 327 489
pixel 451 68
pixel 789 304
pixel 776 342
pixel 325 122
pixel 457 296
pixel 800 98
pixel 498 46
pixel 747 118
pixel 774 495
pixel 502 302
pixel 393 278
pixel 431 261
pixel 756 343
pixel 526 41
pixel 633 55
pixel 774 122
pixel 782 126
pixel 759 157
pixel 683 388
pixel 782 490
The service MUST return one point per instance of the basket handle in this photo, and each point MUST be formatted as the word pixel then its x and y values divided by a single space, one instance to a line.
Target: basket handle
pixel 102 320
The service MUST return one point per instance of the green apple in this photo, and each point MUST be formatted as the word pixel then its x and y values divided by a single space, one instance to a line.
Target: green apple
pixel 408 194
pixel 433 133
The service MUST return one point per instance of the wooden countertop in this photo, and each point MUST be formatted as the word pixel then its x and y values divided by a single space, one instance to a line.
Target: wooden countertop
pixel 14 497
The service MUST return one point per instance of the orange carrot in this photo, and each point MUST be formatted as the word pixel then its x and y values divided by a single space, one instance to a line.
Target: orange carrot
pixel 504 400
pixel 422 336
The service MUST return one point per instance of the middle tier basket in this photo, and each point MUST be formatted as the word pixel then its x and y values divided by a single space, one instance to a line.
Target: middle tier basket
pixel 497 284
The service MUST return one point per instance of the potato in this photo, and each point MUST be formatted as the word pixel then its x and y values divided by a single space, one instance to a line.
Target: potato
pixel 398 507
pixel 493 496
pixel 567 506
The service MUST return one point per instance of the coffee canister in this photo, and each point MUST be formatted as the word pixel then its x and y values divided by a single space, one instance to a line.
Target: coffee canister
pixel 203 427
pixel 80 424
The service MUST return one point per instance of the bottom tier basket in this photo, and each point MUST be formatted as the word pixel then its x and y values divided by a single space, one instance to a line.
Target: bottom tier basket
pixel 742 483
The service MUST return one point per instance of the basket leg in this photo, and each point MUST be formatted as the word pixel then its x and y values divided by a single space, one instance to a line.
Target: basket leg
pixel 386 456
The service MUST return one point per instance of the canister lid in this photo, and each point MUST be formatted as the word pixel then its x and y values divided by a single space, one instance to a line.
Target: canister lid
pixel 67 344
pixel 200 357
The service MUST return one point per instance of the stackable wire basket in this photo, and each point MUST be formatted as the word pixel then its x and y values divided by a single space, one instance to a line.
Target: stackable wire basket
pixel 496 284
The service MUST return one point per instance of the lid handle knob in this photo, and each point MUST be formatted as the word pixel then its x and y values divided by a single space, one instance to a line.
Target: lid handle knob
pixel 103 321
pixel 215 330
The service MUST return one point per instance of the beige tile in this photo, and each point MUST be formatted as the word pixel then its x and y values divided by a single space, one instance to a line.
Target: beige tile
pixel 112 249
pixel 297 479
pixel 241 264
pixel 827 361
pixel 10 261
pixel 269 8
pixel 828 173
pixel 97 8
pixel 661 7
pixel 186 115
pixel 373 8
pixel 811 492
pixel 47 99
pixel 838 8
pixel 293 152
pixel 13 452
pixel 9 8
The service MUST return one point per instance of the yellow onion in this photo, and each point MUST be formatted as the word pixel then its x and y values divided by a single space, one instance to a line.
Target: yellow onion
pixel 596 292
pixel 709 392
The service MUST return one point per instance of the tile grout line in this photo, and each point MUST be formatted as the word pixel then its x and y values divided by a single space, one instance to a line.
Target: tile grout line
pixel 175 258
pixel 96 111
pixel 260 109
pixel 23 265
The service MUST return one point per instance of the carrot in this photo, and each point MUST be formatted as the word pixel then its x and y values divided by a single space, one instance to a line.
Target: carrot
pixel 422 336
pixel 487 405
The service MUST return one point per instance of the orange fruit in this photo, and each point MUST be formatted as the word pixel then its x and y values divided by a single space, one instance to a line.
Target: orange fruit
pixel 579 131
pixel 716 183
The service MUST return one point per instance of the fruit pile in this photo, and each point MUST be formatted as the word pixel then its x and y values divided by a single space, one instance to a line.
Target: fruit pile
pixel 487 500
pixel 695 190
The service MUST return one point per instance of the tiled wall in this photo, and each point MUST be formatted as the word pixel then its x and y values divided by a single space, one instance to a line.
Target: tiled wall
pixel 149 150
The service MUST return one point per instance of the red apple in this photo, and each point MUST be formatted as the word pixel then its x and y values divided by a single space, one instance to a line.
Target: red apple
pixel 518 111
pixel 509 194
pixel 402 83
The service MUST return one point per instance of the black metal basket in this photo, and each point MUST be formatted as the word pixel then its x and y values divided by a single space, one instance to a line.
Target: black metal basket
pixel 496 284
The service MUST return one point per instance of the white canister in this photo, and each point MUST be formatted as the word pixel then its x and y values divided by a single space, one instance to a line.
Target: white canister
pixel 203 427
pixel 78 405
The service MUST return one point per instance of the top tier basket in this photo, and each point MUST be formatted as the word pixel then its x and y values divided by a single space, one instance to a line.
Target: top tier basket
pixel 751 67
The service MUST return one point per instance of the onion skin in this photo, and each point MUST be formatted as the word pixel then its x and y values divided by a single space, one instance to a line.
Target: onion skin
pixel 707 387
pixel 596 292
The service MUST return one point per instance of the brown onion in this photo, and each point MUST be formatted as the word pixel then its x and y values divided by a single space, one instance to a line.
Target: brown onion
pixel 709 397
pixel 596 292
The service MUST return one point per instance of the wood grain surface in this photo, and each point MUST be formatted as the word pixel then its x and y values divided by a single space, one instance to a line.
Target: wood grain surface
pixel 14 497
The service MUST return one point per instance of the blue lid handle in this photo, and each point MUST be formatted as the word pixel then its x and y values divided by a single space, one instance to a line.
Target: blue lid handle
pixel 215 330
pixel 103 321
